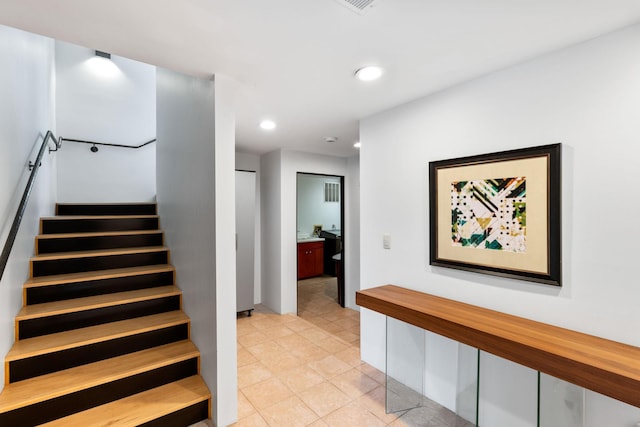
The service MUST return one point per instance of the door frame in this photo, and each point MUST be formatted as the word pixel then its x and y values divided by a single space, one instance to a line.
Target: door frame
pixel 342 276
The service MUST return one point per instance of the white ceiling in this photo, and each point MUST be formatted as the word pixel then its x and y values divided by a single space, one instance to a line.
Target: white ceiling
pixel 294 60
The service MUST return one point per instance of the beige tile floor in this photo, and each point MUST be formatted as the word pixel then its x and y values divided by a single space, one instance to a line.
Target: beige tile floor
pixel 306 370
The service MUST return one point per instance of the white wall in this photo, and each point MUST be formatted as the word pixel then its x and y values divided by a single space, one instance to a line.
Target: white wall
pixel 586 97
pixel 352 234
pixel 190 177
pixel 271 226
pixel 279 263
pixel 117 109
pixel 26 113
pixel 312 209
pixel 225 231
pixel 251 162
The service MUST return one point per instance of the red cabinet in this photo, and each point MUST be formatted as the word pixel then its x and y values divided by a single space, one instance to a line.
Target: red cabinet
pixel 310 259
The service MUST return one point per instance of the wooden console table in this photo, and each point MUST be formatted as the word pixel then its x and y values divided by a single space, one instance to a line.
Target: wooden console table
pixel 607 367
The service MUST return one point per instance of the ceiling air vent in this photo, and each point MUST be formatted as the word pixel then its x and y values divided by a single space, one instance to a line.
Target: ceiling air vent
pixel 358 6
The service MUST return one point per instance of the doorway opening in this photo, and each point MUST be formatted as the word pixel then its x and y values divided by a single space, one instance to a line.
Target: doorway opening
pixel 320 243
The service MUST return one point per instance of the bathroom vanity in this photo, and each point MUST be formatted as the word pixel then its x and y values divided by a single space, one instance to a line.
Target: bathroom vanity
pixel 310 257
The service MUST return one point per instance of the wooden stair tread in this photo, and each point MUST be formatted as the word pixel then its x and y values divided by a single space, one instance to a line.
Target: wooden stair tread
pixel 93 302
pixel 31 347
pixel 99 252
pixel 59 279
pixel 142 407
pixel 97 234
pixel 106 204
pixel 82 217
pixel 56 384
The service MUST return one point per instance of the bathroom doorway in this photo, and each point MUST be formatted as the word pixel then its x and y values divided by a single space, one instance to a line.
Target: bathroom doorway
pixel 320 243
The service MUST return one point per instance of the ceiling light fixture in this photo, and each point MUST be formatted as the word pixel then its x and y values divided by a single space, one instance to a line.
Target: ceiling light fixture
pixel 331 139
pixel 102 54
pixel 357 145
pixel 369 73
pixel 268 124
pixel 102 65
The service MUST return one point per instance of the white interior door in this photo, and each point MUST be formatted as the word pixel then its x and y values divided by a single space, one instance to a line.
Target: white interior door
pixel 245 239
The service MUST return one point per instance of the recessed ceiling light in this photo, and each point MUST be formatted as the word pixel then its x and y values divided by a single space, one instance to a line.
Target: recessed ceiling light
pixel 357 144
pixel 331 139
pixel 370 73
pixel 268 124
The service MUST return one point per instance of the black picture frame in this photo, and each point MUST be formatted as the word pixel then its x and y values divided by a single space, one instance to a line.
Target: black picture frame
pixel 536 254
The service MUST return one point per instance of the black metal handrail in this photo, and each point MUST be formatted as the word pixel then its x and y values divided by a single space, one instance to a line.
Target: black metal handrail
pixel 33 167
pixel 81 141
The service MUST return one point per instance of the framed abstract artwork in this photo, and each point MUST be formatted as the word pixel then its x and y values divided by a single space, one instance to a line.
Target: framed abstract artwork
pixel 498 214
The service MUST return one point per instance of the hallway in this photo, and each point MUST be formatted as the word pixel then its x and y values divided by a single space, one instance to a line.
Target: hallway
pixel 318 304
pixel 306 370
pixel 294 373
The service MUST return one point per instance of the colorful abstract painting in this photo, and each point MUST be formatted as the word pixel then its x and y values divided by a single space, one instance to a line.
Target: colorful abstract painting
pixel 490 214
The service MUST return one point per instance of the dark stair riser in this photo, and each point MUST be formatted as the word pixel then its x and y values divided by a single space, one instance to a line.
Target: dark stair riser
pixel 44 364
pixel 42 294
pixel 81 319
pixel 182 418
pixel 104 262
pixel 66 405
pixel 55 226
pixel 72 244
pixel 82 209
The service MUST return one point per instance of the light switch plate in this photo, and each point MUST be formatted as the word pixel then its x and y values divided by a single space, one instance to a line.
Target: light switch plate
pixel 386 241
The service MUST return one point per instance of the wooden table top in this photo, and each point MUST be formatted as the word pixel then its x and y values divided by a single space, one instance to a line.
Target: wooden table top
pixel 604 366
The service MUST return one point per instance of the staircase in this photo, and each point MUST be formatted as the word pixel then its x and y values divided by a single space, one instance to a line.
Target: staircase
pixel 101 338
